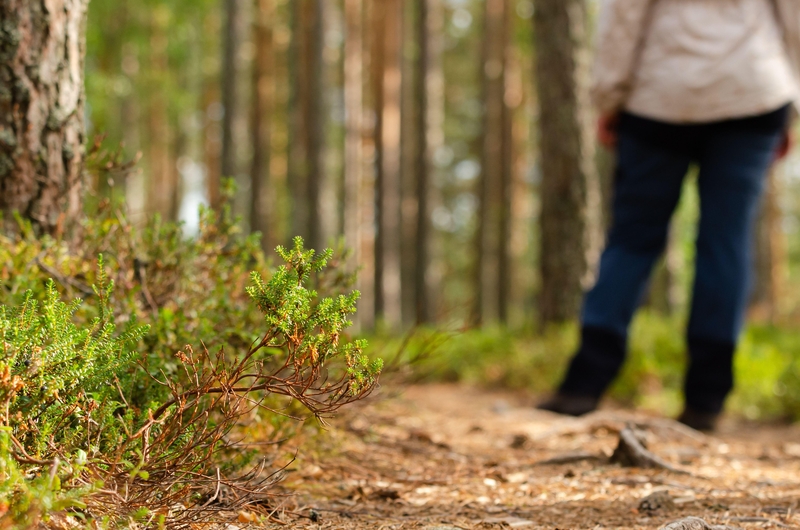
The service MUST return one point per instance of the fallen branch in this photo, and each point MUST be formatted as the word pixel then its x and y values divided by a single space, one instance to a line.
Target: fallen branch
pixel 678 428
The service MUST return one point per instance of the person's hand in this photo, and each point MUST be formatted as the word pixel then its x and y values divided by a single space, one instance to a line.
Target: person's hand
pixel 785 145
pixel 607 130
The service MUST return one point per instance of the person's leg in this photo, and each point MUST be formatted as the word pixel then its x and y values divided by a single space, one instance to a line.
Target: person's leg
pixel 732 170
pixel 650 172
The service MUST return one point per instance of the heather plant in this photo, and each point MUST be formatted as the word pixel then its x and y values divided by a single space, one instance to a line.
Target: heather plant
pixel 86 402
pixel 61 381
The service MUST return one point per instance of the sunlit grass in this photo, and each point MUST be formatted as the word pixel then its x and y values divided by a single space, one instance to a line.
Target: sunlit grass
pixel 767 373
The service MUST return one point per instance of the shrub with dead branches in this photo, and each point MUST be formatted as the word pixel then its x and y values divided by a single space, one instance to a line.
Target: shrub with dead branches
pixel 161 460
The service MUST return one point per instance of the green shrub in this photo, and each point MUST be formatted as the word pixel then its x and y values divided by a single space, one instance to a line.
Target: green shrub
pixel 63 381
pixel 81 401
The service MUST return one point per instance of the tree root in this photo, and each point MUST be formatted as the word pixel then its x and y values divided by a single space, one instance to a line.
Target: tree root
pixel 695 523
pixel 631 452
pixel 570 458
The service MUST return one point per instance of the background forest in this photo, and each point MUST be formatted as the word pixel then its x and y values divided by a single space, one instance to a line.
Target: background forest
pixel 410 133
pixel 161 305
pixel 406 129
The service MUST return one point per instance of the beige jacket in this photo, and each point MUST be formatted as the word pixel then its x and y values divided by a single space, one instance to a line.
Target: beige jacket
pixel 690 61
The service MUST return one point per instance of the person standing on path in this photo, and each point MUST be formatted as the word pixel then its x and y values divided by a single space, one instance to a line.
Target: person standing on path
pixel 676 83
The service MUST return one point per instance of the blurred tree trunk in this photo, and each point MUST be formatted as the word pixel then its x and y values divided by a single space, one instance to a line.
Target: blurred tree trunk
pixel 261 192
pixel 212 131
pixel 230 96
pixel 494 183
pixel 387 62
pixel 570 189
pixel 771 263
pixel 162 178
pixel 409 135
pixel 42 112
pixel 306 162
pixel 664 292
pixel 358 198
pixel 511 99
pixel 130 120
pixel 429 122
pixel 298 96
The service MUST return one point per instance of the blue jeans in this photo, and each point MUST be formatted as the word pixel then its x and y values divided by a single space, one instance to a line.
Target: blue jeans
pixel 652 161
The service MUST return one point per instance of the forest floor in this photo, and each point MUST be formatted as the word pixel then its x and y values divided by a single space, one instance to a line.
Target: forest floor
pixel 447 457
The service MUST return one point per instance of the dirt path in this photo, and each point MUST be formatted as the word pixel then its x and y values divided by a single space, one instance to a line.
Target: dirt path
pixel 447 457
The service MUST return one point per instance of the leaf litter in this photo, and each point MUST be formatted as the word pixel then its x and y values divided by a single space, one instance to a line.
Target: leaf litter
pixel 446 457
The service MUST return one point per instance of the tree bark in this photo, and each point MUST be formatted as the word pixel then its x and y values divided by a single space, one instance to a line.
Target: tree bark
pixel 261 193
pixel 358 198
pixel 388 97
pixel 130 120
pixel 230 99
pixel 494 184
pixel 771 259
pixel 306 157
pixel 507 165
pixel 42 49
pixel 429 97
pixel 570 193
pixel 664 292
pixel 314 118
pixel 409 135
pixel 163 178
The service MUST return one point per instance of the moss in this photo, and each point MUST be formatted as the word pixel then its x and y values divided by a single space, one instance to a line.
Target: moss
pixel 68 152
pixel 6 165
pixel 5 95
pixel 8 141
pixel 21 93
pixel 9 35
pixel 54 123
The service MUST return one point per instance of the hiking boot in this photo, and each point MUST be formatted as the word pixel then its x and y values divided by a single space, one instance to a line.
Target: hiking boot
pixel 569 404
pixel 699 420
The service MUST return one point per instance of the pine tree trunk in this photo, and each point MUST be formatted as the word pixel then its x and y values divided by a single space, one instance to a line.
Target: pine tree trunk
pixel 321 216
pixel 261 207
pixel 357 199
pixel 409 136
pixel 504 268
pixel 428 94
pixel 771 261
pixel 230 96
pixel 388 100
pixel 305 160
pixel 664 291
pixel 495 168
pixel 298 145
pixel 162 176
pixel 570 192
pixel 42 49
pixel 130 121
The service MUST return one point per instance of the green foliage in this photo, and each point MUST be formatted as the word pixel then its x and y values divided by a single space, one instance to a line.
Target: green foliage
pixel 60 391
pixel 95 389
pixel 311 328
pixel 494 356
pixel 62 380
pixel 24 500
pixel 767 370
